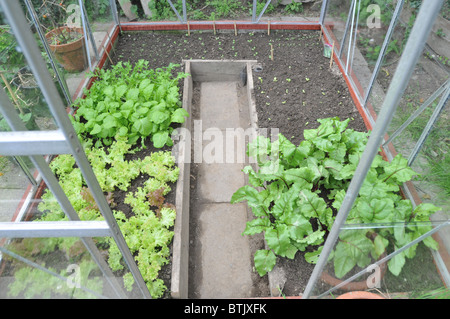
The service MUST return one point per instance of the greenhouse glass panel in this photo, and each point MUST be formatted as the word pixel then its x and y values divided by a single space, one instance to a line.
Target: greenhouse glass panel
pixel 21 86
pixel 59 268
pixel 382 261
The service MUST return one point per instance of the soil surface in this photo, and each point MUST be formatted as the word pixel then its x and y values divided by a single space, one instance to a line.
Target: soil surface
pixel 294 88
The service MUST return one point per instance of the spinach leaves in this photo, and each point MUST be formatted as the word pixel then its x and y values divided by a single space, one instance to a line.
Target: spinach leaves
pixel 297 190
pixel 135 102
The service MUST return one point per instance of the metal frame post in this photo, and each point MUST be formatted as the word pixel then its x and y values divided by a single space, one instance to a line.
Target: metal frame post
pixel 114 13
pixel 176 11
pixel 434 117
pixel 41 34
pixel 386 41
pixel 323 11
pixel 347 25
pixel 255 3
pixel 417 112
pixel 408 60
pixel 262 11
pixel 87 28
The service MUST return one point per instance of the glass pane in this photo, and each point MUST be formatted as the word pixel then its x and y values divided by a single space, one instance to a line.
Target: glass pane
pixel 15 175
pixel 355 263
pixel 49 268
pixel 21 86
pixel 215 10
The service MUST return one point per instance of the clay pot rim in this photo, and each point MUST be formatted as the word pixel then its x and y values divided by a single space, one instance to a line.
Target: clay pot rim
pixel 360 295
pixel 66 45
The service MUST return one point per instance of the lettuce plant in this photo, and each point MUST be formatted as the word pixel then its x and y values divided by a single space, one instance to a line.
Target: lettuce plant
pixel 297 190
pixel 135 102
pixel 149 231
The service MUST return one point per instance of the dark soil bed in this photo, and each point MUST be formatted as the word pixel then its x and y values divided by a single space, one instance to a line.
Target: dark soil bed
pixel 292 91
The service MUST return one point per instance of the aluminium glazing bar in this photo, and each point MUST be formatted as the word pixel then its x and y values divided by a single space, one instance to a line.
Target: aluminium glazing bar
pixel 176 11
pixel 54 229
pixel 417 112
pixel 347 26
pixel 115 14
pixel 323 11
pixel 184 11
pixel 426 131
pixel 86 35
pixel 33 143
pixel 351 37
pixel 263 10
pixel 87 25
pixel 408 60
pixel 386 41
pixel 44 42
pixel 255 2
pixel 356 33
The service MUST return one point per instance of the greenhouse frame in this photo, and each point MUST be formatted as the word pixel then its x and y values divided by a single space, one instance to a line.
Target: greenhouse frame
pixel 28 151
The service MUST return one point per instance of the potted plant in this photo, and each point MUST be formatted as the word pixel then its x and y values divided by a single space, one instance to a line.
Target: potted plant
pixel 65 37
pixel 296 192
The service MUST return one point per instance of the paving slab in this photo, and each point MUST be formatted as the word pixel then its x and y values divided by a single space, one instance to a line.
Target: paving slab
pixel 219 107
pixel 218 182
pixel 226 265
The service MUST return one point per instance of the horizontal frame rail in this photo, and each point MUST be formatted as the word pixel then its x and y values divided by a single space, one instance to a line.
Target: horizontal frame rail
pixel 55 229
pixel 25 143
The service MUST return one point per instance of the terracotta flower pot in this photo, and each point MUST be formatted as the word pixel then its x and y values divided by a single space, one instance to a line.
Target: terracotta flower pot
pixel 72 56
pixel 360 295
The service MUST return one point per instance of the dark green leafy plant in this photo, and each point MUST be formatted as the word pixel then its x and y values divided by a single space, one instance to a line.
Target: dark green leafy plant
pixel 294 7
pixel 135 102
pixel 297 190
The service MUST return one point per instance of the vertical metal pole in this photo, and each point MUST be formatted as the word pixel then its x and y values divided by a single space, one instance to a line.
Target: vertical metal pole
pixel 356 33
pixel 408 60
pixel 263 10
pixel 37 25
pixel 347 25
pixel 176 11
pixel 88 29
pixel 86 41
pixel 426 132
pixel 26 41
pixel 323 11
pixel 115 15
pixel 419 111
pixel 254 10
pixel 184 11
pixel 386 41
pixel 351 38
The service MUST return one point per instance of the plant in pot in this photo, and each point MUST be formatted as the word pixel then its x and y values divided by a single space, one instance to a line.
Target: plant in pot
pixel 296 192
pixel 65 38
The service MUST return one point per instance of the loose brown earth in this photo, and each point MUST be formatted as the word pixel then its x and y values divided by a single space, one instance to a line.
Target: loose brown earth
pixel 292 91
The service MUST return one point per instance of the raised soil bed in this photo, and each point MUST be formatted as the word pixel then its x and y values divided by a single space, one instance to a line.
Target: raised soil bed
pixel 293 88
